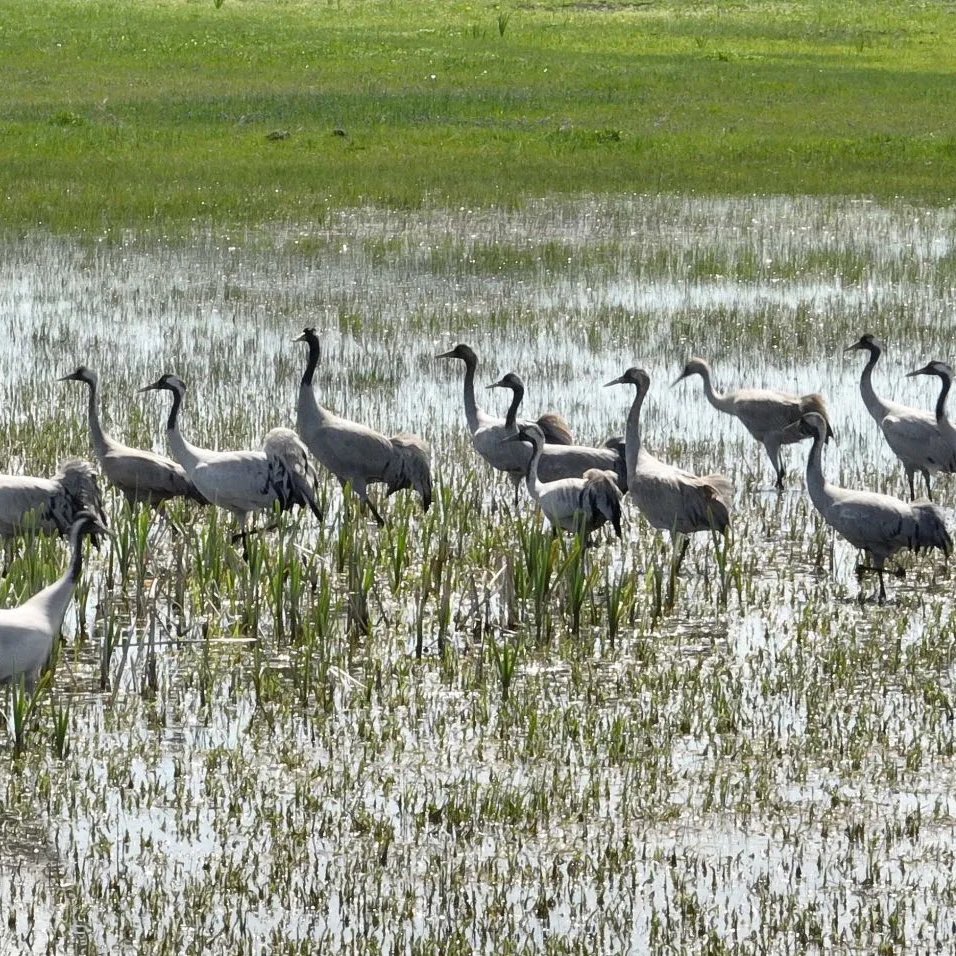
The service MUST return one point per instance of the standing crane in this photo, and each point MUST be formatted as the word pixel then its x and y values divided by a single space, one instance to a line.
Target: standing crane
pixel 142 476
pixel 355 454
pixel 944 373
pixel 913 434
pixel 563 461
pixel 670 498
pixel 575 504
pixel 771 416
pixel 488 432
pixel 27 631
pixel 242 481
pixel 879 525
pixel 50 505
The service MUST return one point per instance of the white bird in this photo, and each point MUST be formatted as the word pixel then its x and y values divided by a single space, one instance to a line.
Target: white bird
pixel 945 373
pixel 354 453
pixel 27 631
pixel 242 481
pixel 574 504
pixel 670 498
pixel 912 433
pixel 879 525
pixel 50 505
pixel 142 476
pixel 770 415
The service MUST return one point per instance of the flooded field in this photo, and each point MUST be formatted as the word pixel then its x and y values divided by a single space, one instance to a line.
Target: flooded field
pixel 451 734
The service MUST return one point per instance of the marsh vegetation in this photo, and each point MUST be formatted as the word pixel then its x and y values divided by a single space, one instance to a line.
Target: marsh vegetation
pixel 453 733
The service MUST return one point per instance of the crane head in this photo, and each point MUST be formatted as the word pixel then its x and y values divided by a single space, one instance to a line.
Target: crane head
pixel 463 352
pixel 308 335
pixel 815 425
pixel 940 369
pixel 82 374
pixel 633 376
pixel 168 383
pixel 694 366
pixel 866 343
pixel 511 380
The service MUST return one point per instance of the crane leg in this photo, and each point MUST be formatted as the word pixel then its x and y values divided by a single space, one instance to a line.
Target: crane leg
pixel 909 474
pixel 929 494
pixel 379 520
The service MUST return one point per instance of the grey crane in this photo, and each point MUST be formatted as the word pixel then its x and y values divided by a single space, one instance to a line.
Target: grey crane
pixel 488 432
pixel 771 416
pixel 50 505
pixel 944 373
pixel 242 481
pixel 576 504
pixel 670 498
pixel 354 453
pixel 27 631
pixel 142 476
pixel 912 433
pixel 564 461
pixel 879 525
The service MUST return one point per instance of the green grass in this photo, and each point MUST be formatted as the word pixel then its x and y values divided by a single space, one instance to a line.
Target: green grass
pixel 115 116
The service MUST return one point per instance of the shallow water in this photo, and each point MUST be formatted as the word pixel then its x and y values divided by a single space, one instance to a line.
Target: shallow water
pixel 767 767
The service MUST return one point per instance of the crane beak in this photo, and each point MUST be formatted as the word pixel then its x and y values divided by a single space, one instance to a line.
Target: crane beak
pixel 151 388
pixel 299 338
pixel 449 354
pixel 680 378
pixel 496 385
pixel 856 346
pixel 614 381
pixel 72 377
pixel 925 370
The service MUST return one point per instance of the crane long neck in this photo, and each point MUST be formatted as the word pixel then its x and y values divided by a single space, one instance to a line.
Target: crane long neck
pixel 717 399
pixel 531 477
pixel 97 435
pixel 816 483
pixel 56 597
pixel 874 405
pixel 943 395
pixel 471 404
pixel 517 395
pixel 182 451
pixel 310 366
pixel 76 554
pixel 632 433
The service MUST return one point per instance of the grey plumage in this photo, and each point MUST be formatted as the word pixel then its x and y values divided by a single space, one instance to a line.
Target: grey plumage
pixel 50 505
pixel 354 453
pixel 488 432
pixel 912 433
pixel 242 481
pixel 584 503
pixel 770 415
pixel 670 498
pixel 558 461
pixel 944 373
pixel 879 525
pixel 142 476
pixel 27 631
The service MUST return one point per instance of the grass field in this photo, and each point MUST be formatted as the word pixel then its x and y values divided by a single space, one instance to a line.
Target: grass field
pixel 115 115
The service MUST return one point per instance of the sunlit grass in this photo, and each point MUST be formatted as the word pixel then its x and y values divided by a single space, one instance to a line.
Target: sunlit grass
pixel 179 112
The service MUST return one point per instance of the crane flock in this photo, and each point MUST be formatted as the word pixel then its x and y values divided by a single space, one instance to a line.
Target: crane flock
pixel 579 488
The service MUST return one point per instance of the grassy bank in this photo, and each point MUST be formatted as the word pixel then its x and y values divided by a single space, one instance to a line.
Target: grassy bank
pixel 115 115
